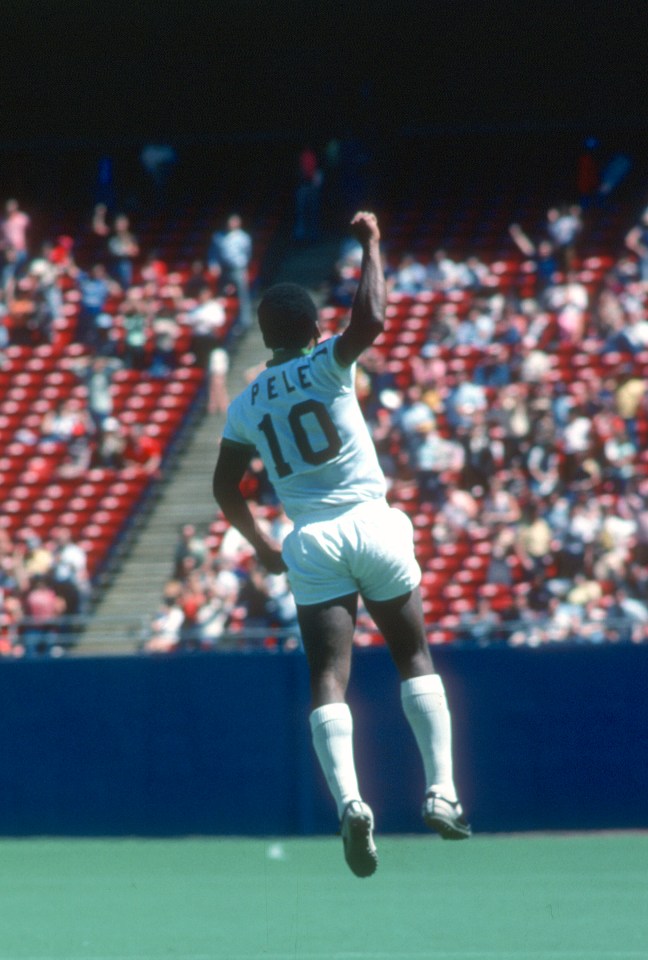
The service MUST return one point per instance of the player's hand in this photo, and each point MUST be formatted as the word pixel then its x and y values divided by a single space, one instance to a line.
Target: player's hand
pixel 364 227
pixel 270 557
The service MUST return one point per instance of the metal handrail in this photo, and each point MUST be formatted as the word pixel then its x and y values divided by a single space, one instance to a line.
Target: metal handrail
pixel 132 633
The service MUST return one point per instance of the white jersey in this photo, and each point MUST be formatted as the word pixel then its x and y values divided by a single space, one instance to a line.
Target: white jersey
pixel 303 418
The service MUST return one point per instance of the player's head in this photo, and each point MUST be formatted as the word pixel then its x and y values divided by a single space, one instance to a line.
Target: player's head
pixel 288 317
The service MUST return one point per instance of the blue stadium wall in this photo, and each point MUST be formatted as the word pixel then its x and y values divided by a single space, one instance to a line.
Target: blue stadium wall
pixel 553 738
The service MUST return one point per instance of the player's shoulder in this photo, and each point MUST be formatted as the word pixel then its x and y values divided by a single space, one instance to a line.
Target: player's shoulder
pixel 326 353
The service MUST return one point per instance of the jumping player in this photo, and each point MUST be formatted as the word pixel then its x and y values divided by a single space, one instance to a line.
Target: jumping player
pixel 302 416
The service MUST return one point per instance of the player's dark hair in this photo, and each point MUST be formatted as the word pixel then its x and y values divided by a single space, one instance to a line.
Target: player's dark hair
pixel 287 317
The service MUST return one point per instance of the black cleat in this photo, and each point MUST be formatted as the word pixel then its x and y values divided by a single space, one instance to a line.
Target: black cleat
pixel 445 817
pixel 356 828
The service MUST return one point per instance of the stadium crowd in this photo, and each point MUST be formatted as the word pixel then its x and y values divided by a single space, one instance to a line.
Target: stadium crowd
pixel 507 402
pixel 118 308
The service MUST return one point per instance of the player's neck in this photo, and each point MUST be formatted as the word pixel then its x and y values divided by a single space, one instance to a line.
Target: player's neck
pixel 283 354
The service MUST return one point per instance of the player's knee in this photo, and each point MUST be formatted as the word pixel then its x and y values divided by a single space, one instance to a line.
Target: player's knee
pixel 411 660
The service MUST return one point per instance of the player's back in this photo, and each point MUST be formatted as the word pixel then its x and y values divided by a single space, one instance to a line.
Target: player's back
pixel 302 415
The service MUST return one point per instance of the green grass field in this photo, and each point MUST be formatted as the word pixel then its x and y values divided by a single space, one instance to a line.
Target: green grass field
pixel 578 897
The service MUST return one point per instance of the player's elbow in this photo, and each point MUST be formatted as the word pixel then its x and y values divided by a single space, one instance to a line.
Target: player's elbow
pixel 369 323
pixel 374 328
pixel 355 339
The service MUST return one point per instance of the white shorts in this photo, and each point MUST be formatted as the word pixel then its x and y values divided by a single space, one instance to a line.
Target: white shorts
pixel 368 549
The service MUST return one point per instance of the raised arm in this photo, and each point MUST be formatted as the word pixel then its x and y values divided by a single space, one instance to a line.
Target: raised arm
pixel 521 240
pixel 368 310
pixel 233 460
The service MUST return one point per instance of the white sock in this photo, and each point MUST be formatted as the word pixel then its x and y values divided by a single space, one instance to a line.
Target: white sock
pixel 425 706
pixel 332 731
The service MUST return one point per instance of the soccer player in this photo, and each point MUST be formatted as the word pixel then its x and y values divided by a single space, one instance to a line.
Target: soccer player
pixel 302 416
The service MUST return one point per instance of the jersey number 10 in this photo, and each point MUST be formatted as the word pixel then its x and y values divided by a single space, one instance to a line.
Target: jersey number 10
pixel 296 418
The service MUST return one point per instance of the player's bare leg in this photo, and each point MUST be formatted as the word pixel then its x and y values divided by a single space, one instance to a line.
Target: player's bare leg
pixel 424 703
pixel 327 633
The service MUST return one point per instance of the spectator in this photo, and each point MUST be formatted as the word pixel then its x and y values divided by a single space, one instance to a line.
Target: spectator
pixel 541 255
pixel 627 616
pixel 4 331
pixel 218 396
pixel 478 627
pixel 633 506
pixel 576 443
pixel 165 626
pixel 190 544
pixel 13 242
pixel 629 331
pixel 97 373
pixel 344 278
pixel 538 596
pixel 45 273
pixel 479 456
pixel 476 329
pixel 165 332
pixel 110 446
pixel 574 545
pixel 66 422
pixel 410 276
pixel 569 301
pixel 95 288
pixel 229 258
pixel 99 222
pixel 42 608
pixel 636 241
pixel 124 250
pixel 254 597
pixel 630 397
pixel 136 325
pixel 467 400
pixel 282 611
pixel 564 226
pixel 192 599
pixel 499 566
pixel 512 415
pixel 11 614
pixel 212 618
pixel 542 460
pixel 534 541
pixel 207 322
pixel 442 330
pixel 79 452
pixel 415 420
pixel 197 280
pixel 443 272
pixel 69 580
pixel 33 558
pixel 620 457
pixel 500 507
pixel 143 450
pixel 437 462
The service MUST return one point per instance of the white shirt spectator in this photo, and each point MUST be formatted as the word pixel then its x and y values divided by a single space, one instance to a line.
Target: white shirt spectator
pixel 208 317
pixel 577 435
